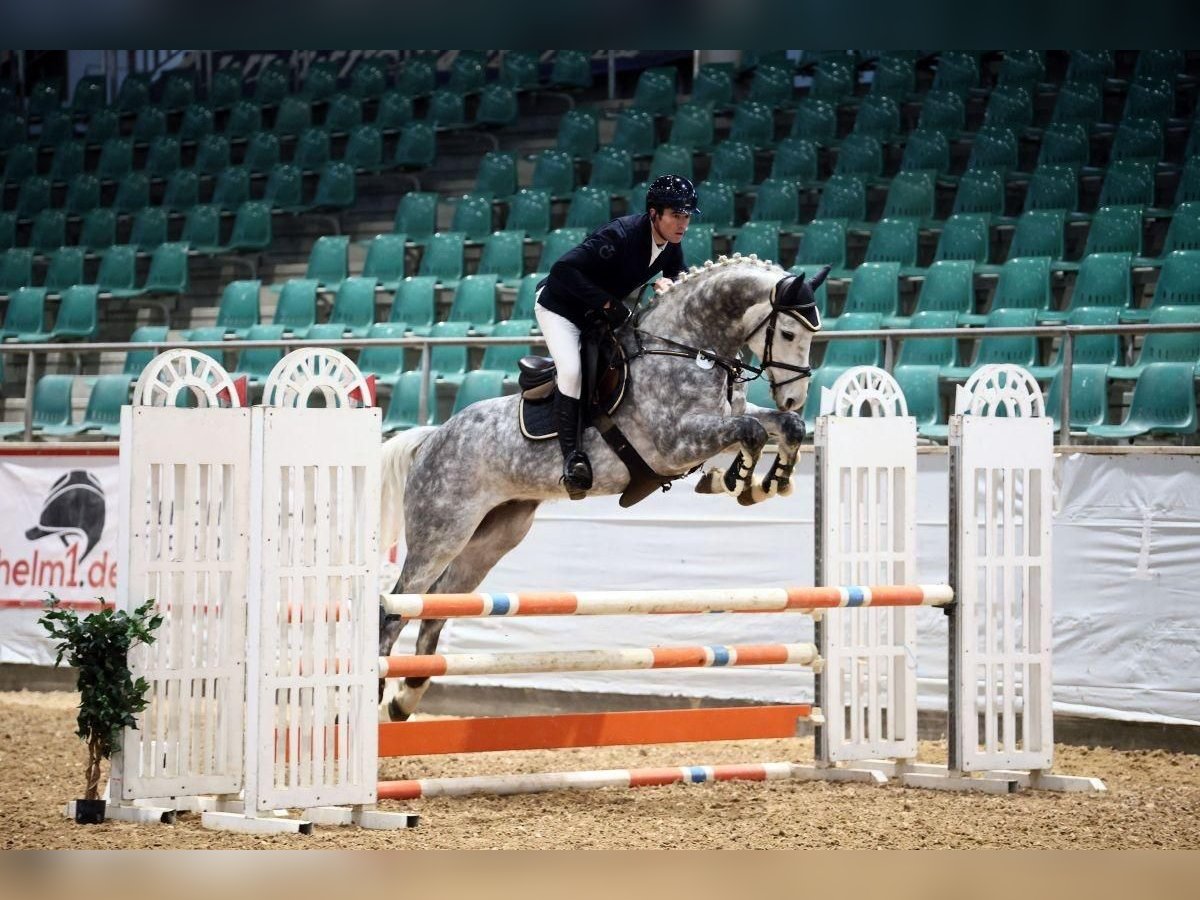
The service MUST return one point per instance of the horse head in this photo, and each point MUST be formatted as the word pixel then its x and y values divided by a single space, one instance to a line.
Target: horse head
pixel 786 337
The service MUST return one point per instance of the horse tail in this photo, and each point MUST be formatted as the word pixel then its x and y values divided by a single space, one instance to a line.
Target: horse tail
pixel 398 454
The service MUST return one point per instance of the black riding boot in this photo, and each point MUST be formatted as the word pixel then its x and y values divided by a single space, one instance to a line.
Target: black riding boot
pixel 577 470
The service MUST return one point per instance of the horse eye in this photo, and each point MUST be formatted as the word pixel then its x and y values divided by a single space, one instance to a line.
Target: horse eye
pixel 788 335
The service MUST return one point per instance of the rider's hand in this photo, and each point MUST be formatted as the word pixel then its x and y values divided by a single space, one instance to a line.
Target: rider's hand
pixel 616 313
pixel 662 284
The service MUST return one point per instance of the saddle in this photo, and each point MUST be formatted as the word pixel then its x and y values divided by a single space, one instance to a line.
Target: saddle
pixel 605 372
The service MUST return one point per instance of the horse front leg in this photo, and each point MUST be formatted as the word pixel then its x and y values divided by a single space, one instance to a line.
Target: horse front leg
pixel 788 429
pixel 705 436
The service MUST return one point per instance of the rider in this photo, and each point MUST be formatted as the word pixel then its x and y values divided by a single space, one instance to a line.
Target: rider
pixel 587 286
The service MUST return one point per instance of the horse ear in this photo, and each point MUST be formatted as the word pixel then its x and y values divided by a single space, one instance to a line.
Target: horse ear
pixel 817 280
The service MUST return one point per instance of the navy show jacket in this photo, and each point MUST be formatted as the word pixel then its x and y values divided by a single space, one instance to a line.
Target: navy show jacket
pixel 611 263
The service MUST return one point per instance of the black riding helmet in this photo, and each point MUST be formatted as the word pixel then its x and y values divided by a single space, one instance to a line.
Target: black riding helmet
pixel 674 192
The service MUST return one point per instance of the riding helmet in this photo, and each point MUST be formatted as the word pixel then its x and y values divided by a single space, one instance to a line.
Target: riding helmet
pixel 674 192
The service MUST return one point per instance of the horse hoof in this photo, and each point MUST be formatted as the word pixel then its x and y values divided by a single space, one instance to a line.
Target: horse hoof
pixel 395 713
pixel 709 480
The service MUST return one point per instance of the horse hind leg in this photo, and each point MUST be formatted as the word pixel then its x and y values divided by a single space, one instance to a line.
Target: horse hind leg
pixel 499 532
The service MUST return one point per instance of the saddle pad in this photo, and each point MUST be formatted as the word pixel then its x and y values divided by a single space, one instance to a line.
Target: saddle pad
pixel 538 422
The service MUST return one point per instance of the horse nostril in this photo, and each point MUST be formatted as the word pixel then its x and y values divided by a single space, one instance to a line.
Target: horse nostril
pixel 789 403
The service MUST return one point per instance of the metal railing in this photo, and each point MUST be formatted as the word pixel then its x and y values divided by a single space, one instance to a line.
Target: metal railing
pixel 891 339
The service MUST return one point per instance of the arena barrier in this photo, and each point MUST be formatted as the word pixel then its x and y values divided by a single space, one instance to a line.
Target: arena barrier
pixel 263 545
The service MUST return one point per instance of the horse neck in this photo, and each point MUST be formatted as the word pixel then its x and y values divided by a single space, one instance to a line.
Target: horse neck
pixel 712 311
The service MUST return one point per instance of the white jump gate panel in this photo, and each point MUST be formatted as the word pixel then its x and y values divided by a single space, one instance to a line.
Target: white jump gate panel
pixel 1003 469
pixel 314 608
pixel 183 543
pixel 866 534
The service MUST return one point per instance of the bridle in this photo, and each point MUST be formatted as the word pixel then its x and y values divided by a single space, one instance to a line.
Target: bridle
pixel 736 369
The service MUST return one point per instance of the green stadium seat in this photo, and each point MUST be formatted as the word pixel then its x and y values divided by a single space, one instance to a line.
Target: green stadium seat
pixel 57 126
pixel 815 120
pixel 994 147
pixel 1102 350
pixel 25 318
pixel 894 240
pixel 1009 107
pixel 670 159
pixel 919 384
pixel 33 196
pixel 16 269
pixel 48 232
pixel 1164 402
pixel 529 213
pixel 466 74
pixel 136 360
pixel 477 386
pixel 296 308
pixel 522 310
pixel 824 244
pixel 753 124
pixel 1053 187
pixel 64 269
pixel 893 76
pixel 472 216
pixel 385 363
pixel 273 84
pixel 52 414
pixel 503 257
pixel 1139 140
pixel 1039 232
pixel 103 413
pixel 343 113
pixel 1017 350
pixel 83 195
pixel 150 124
pixel 89 94
pixel 874 290
pixel 578 133
pixel 843 355
pixel 1128 183
pixel 502 359
pixel 697 244
pixel 313 149
pixel 416 217
pixel 497 175
pixel 20 163
pixel 404 405
pixel 182 191
pixel 116 159
pixel 77 318
pixel 8 229
pixel 162 158
pixel 713 85
pixel 1078 103
pixel 293 116
pixel 394 111
pixel 558 242
pixel 943 111
pixel 655 91
pixel 571 69
pixel 948 288
pixel 1064 144
pixel 1178 285
pixel 1149 98
pixel 232 188
pixel 416 77
pixel 225 89
pixel 448 362
pixel 256 363
pixel 413 304
pixel 957 71
pixel 980 192
pixel 364 150
pixel 772 86
pixel 930 351
pixel 99 230
pixel 1183 347
pixel 1089 397
pixel 385 260
pixel 777 200
pixel 589 209
pixel 717 202
pixel 1024 283
pixel 103 125
pixel 910 196
pixel 447 110
pixel 879 117
pixel 178 88
pixel 612 171
pixel 416 147
pixel 1103 280
pixel 1024 69
pixel 860 155
pixel 1090 66
pixel 759 239
pixel 368 78
pixel 691 127
pixel 519 70
pixel 67 162
pixel 833 80
pixel 443 257
pixel 475 303
pixel 238 310
pixel 554 171
pixel 198 121
pixel 843 197
pixel 926 150
pixel 168 274
pixel 795 159
pixel 1118 229
pixel 732 163
pixel 354 305
pixel 964 237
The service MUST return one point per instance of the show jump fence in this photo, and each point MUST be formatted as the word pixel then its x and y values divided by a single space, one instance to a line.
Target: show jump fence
pixel 257 531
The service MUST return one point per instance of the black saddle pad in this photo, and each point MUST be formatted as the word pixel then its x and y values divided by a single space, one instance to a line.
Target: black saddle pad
pixel 537 416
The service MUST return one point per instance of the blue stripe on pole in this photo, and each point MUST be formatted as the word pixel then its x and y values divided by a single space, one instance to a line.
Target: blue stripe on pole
pixel 856 596
pixel 721 655
pixel 501 604
pixel 696 774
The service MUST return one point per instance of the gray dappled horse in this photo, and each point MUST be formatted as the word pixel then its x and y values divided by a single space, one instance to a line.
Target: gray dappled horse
pixel 467 490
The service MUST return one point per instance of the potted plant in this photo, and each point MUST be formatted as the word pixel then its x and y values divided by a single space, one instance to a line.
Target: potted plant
pixel 109 699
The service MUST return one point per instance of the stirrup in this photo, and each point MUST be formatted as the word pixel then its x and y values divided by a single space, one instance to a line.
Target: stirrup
pixel 577 475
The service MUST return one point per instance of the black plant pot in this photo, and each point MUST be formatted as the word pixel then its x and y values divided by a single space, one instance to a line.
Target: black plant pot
pixel 89 812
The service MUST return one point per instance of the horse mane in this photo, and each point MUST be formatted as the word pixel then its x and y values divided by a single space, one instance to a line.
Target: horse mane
pixel 718 266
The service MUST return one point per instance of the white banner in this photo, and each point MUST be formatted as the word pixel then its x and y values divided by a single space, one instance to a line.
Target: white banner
pixel 58 535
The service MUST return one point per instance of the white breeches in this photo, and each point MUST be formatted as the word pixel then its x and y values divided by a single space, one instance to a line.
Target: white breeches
pixel 562 339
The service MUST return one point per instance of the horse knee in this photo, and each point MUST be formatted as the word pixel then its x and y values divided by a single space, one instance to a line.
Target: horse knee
pixel 752 434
